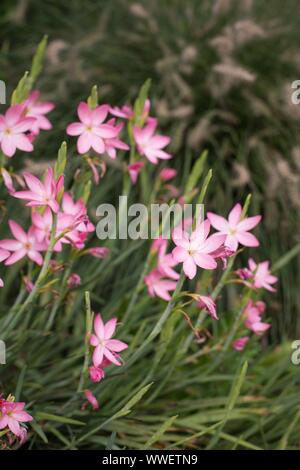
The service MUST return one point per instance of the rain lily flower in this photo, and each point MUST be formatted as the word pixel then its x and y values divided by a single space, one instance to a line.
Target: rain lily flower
pixel 253 313
pixel 258 275
pixel 158 287
pixel 90 129
pixel 11 415
pixel 36 109
pixel 240 343
pixel 111 145
pixel 134 171
pixel 42 194
pixel 167 174
pixel 235 228
pixel 195 249
pixel 206 302
pixel 13 126
pixel 149 144
pixel 91 399
pixel 105 346
pixel 25 244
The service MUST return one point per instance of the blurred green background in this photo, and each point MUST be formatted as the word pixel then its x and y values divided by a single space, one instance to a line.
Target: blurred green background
pixel 221 75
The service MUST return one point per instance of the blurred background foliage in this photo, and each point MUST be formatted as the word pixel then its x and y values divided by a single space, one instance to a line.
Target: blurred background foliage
pixel 221 79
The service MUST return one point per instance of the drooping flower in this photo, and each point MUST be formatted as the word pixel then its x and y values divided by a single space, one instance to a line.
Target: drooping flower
pixel 74 280
pixel 13 128
pixel 100 252
pixel 240 343
pixel 159 287
pixel 24 244
pixel 166 262
pixel 196 249
pixel 42 194
pixel 167 174
pixel 36 109
pixel 127 112
pixel 134 171
pixel 7 179
pixel 91 129
pixel 149 144
pixel 209 304
pixel 253 313
pixel 96 374
pixel 105 346
pixel 91 399
pixel 235 228
pixel 11 415
pixel 258 275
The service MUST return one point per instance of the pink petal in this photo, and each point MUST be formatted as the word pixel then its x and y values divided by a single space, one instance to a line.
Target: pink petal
pixel 111 357
pixel 22 142
pixel 247 239
pixel 232 242
pixel 110 327
pixel 204 261
pixel 218 222
pixel 84 113
pixel 94 340
pixel 76 128
pixel 116 345
pixel 16 256
pixel 189 267
pixel 8 146
pixel 99 114
pixel 17 231
pixel 14 426
pixel 13 114
pixel 249 223
pixel 35 256
pixel 11 245
pixel 98 355
pixel 84 142
pixel 179 254
pixel 33 183
pixel 99 327
pixel 235 215
pixel 97 144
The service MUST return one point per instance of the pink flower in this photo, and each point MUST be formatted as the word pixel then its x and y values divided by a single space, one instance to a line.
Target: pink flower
pixel 111 145
pixel 91 129
pixel 25 244
pixel 166 262
pixel 36 109
pixel 209 304
pixel 240 343
pixel 261 276
pixel 13 126
pixel 105 346
pixel 134 171
pixel 167 174
pixel 7 179
pixel 159 287
pixel 98 252
pixel 253 313
pixel 42 194
pixel 78 211
pixel 195 250
pixel 91 399
pixel 127 112
pixel 11 415
pixel 4 254
pixel 96 374
pixel 149 144
pixel 235 228
pixel 74 280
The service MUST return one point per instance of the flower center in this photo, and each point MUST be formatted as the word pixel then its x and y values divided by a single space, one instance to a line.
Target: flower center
pixel 7 131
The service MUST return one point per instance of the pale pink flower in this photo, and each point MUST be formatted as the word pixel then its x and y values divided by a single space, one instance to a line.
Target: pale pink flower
pixel 91 399
pixel 78 211
pixel 42 194
pixel 91 129
pixel 28 284
pixel 253 313
pixel 13 126
pixel 167 174
pixel 240 343
pixel 111 145
pixel 96 374
pixel 206 302
pixel 159 287
pixel 24 244
pixel 235 228
pixel 11 415
pixel 134 171
pixel 37 109
pixel 4 254
pixel 259 275
pixel 149 144
pixel 105 346
pixel 195 249
pixel 42 224
pixel 100 252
